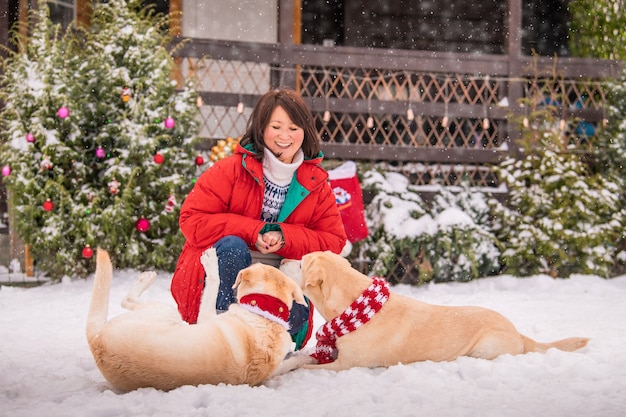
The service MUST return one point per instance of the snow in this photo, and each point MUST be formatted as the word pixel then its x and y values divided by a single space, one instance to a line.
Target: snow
pixel 46 368
pixel 453 216
pixel 408 226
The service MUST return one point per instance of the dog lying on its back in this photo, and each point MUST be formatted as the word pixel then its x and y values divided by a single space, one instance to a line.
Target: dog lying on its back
pixel 404 330
pixel 150 346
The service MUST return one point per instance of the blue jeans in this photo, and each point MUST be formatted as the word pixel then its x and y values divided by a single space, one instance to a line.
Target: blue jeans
pixel 233 255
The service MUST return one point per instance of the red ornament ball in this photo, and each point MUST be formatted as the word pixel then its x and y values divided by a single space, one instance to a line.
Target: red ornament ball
pixel 169 123
pixel 30 138
pixel 48 205
pixel 199 160
pixel 6 170
pixel 100 153
pixel 87 252
pixel 142 225
pixel 159 158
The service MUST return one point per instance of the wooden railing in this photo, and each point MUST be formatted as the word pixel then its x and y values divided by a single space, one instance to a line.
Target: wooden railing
pixel 411 107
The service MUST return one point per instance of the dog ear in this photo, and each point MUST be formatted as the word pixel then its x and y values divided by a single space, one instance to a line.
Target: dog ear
pixel 311 281
pixel 312 273
pixel 298 295
pixel 317 283
pixel 239 278
pixel 308 277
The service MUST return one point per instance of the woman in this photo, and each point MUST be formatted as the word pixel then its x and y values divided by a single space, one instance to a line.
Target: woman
pixel 268 201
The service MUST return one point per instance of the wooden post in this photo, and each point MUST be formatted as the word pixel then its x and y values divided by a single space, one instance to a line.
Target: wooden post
pixel 29 264
pixel 297 35
pixel 5 27
pixel 514 52
pixel 84 11
pixel 175 30
pixel 297 22
pixel 176 17
pixel 16 245
pixel 22 16
pixel 289 27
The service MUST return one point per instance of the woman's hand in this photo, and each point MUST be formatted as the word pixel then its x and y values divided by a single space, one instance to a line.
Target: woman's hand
pixel 270 242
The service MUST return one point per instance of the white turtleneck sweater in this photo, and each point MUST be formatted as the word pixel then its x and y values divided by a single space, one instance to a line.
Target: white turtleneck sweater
pixel 277 176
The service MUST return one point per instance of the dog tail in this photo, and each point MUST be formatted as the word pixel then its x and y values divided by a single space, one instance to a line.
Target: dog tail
pixel 99 308
pixel 568 345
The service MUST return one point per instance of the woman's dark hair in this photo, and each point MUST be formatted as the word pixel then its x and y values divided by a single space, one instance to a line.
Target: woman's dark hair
pixel 298 112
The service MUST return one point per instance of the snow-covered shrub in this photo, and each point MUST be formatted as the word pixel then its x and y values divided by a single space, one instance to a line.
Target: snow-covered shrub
pixel 396 219
pixel 464 246
pixel 438 243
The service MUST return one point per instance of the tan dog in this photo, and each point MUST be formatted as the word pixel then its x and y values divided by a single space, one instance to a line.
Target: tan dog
pixel 405 330
pixel 150 346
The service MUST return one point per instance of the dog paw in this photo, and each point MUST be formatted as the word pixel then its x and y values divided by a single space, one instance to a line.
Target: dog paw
pixel 146 278
pixel 293 361
pixel 209 262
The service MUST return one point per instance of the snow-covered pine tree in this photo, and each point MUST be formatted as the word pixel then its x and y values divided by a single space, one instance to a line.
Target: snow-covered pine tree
pixel 98 141
pixel 611 153
pixel 561 218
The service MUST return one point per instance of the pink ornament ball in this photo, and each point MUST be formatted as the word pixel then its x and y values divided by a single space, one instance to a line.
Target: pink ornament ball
pixel 6 170
pixel 100 153
pixel 63 112
pixel 169 123
pixel 142 225
pixel 30 137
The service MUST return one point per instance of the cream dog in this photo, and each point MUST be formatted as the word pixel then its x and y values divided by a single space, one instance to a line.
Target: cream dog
pixel 150 346
pixel 383 328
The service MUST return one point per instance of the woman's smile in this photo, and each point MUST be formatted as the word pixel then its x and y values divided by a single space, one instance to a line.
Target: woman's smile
pixel 282 136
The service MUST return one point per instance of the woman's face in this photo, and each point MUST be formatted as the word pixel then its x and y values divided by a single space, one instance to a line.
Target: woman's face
pixel 282 136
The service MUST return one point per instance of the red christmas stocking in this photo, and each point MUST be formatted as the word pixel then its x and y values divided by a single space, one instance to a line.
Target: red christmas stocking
pixel 349 199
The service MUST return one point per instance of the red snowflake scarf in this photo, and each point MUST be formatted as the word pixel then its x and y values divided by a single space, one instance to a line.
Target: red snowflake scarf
pixel 360 312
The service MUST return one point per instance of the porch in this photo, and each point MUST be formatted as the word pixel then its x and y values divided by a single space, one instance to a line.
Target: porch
pixel 451 113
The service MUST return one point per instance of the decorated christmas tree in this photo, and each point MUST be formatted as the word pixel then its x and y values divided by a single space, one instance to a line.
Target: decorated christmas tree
pixel 97 141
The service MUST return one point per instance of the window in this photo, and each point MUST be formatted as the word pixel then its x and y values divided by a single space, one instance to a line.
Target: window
pixel 160 6
pixel 62 11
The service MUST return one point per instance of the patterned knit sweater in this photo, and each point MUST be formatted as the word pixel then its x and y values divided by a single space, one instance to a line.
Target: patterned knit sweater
pixel 277 177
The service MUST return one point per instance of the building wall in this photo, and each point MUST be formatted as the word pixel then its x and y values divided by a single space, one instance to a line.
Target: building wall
pixel 249 20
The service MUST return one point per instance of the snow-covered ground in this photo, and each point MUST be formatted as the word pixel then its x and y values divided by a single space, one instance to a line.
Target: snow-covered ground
pixel 46 368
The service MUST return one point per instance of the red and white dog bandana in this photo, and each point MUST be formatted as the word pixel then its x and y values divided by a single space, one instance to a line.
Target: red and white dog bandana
pixel 266 306
pixel 360 312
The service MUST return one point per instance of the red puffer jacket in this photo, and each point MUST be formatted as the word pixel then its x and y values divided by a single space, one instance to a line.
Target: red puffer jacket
pixel 227 200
